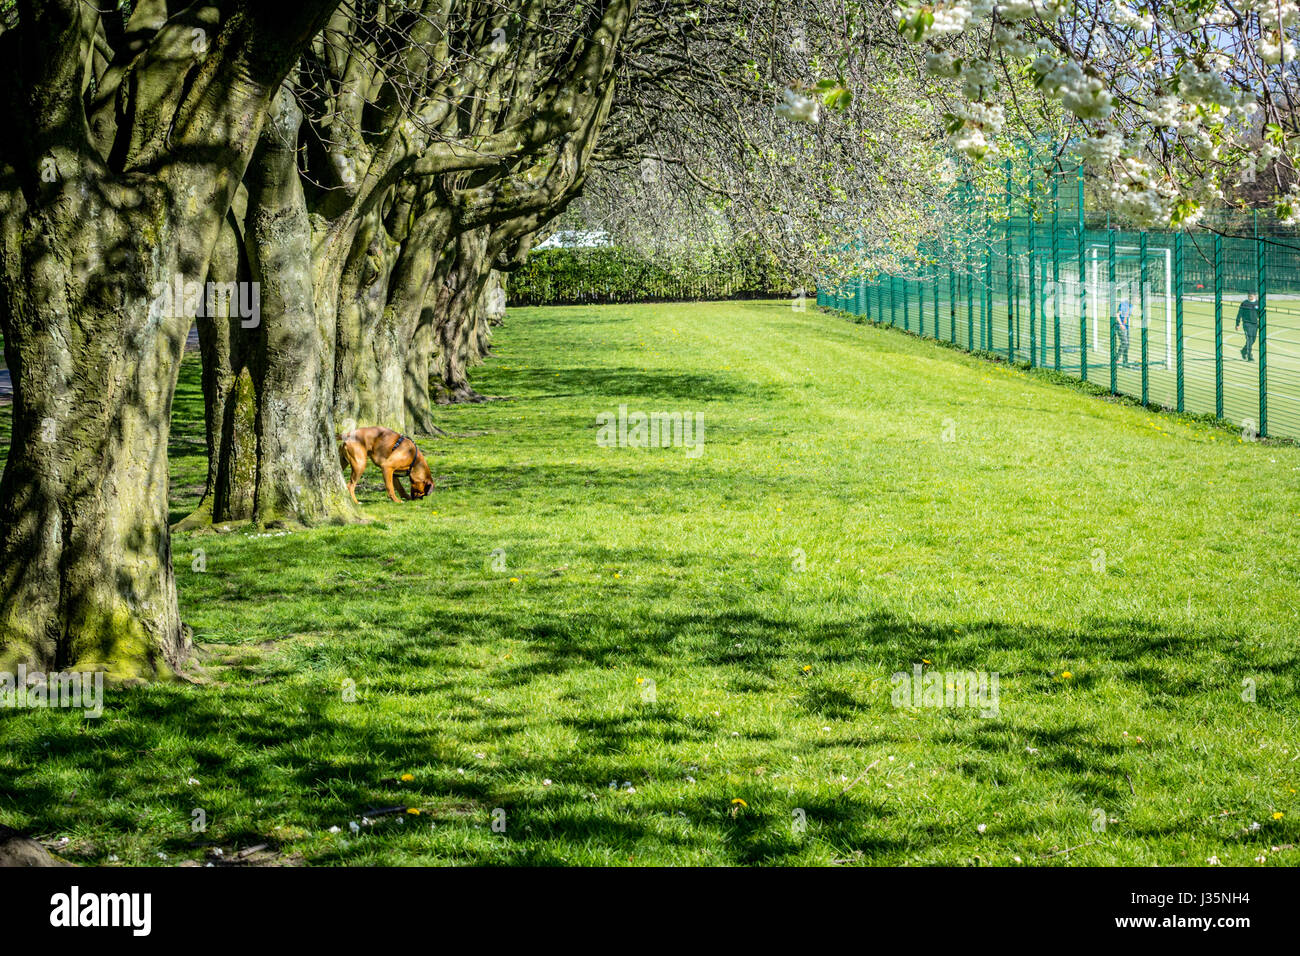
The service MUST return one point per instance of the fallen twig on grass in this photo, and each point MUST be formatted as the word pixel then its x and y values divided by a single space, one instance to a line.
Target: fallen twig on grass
pixel 1068 849
pixel 859 776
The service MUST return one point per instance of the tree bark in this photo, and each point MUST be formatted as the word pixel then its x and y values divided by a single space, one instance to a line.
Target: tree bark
pixel 273 450
pixel 85 558
pixel 299 480
pixel 369 364
pixel 421 261
pixel 459 310
pixel 229 398
pixel 86 578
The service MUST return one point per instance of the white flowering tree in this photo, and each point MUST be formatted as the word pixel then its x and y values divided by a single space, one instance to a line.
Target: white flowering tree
pixel 1173 104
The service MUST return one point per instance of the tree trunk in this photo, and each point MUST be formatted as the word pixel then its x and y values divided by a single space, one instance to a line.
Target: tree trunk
pixel 419 367
pixel 458 312
pixel 229 398
pixel 299 479
pixel 420 263
pixel 92 338
pixel 370 361
pixel 85 558
pixel 273 451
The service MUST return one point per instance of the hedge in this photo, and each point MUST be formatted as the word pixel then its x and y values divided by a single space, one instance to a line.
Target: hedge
pixel 612 275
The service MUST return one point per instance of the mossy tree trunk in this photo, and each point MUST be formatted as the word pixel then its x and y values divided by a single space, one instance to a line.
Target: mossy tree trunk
pixel 98 215
pixel 369 363
pixel 416 270
pixel 229 396
pixel 274 453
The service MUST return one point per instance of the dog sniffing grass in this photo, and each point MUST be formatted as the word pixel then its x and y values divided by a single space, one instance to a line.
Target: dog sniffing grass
pixel 614 652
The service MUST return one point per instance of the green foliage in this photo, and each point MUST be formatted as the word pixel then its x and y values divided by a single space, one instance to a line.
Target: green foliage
pixel 615 275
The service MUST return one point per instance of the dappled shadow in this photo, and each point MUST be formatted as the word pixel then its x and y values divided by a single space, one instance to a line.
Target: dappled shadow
pixel 247 743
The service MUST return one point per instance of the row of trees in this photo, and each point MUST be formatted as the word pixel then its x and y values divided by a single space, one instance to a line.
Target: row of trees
pixel 367 164
pixel 374 167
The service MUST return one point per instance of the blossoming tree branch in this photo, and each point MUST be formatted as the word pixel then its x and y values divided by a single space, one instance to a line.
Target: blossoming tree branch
pixel 1172 103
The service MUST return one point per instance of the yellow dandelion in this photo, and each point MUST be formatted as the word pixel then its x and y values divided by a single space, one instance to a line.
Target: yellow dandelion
pixel 807 668
pixel 413 811
pixel 1278 815
pixel 1066 675
pixel 740 802
pixel 408 777
pixel 514 580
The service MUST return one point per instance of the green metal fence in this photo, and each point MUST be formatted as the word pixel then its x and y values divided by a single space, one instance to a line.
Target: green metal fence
pixel 1039 278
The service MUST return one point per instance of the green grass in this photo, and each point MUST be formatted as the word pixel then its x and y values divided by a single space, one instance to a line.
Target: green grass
pixel 1240 378
pixel 823 439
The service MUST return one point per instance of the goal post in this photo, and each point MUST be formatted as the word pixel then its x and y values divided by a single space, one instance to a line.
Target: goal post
pixel 1061 303
pixel 1149 305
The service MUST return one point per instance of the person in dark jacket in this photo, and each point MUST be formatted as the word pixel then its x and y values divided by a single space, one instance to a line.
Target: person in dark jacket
pixel 1248 322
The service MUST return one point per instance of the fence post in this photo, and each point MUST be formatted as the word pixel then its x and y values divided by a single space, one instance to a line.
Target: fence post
pixel 1083 287
pixel 893 303
pixel 952 297
pixel 984 300
pixel 1261 278
pixel 1031 210
pixel 920 304
pixel 935 288
pixel 988 283
pixel 970 296
pixel 1142 246
pixel 1011 345
pixel 1110 277
pixel 1178 314
pixel 1218 325
pixel 1043 261
pixel 1056 271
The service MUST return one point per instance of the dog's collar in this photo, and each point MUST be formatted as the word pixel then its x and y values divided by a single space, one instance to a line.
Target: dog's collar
pixel 400 439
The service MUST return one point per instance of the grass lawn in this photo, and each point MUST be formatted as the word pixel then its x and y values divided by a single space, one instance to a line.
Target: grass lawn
pixel 963 321
pixel 1128 575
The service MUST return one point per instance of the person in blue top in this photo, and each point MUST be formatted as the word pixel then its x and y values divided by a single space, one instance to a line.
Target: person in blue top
pixel 1123 313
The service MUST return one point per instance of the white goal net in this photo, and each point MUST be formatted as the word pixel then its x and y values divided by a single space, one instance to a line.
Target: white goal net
pixel 1152 305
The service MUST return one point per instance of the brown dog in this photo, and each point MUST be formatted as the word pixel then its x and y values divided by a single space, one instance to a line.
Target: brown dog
pixel 394 454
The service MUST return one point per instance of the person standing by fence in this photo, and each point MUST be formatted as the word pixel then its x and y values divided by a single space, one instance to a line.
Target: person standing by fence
pixel 1248 322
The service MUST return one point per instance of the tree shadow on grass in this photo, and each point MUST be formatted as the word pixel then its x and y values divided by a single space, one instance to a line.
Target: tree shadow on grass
pixel 286 743
pixel 622 384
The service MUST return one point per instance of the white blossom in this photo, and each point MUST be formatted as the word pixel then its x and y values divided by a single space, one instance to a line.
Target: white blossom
pixel 976 77
pixel 799 108
pixel 1102 150
pixel 1164 112
pixel 1125 16
pixel 942 63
